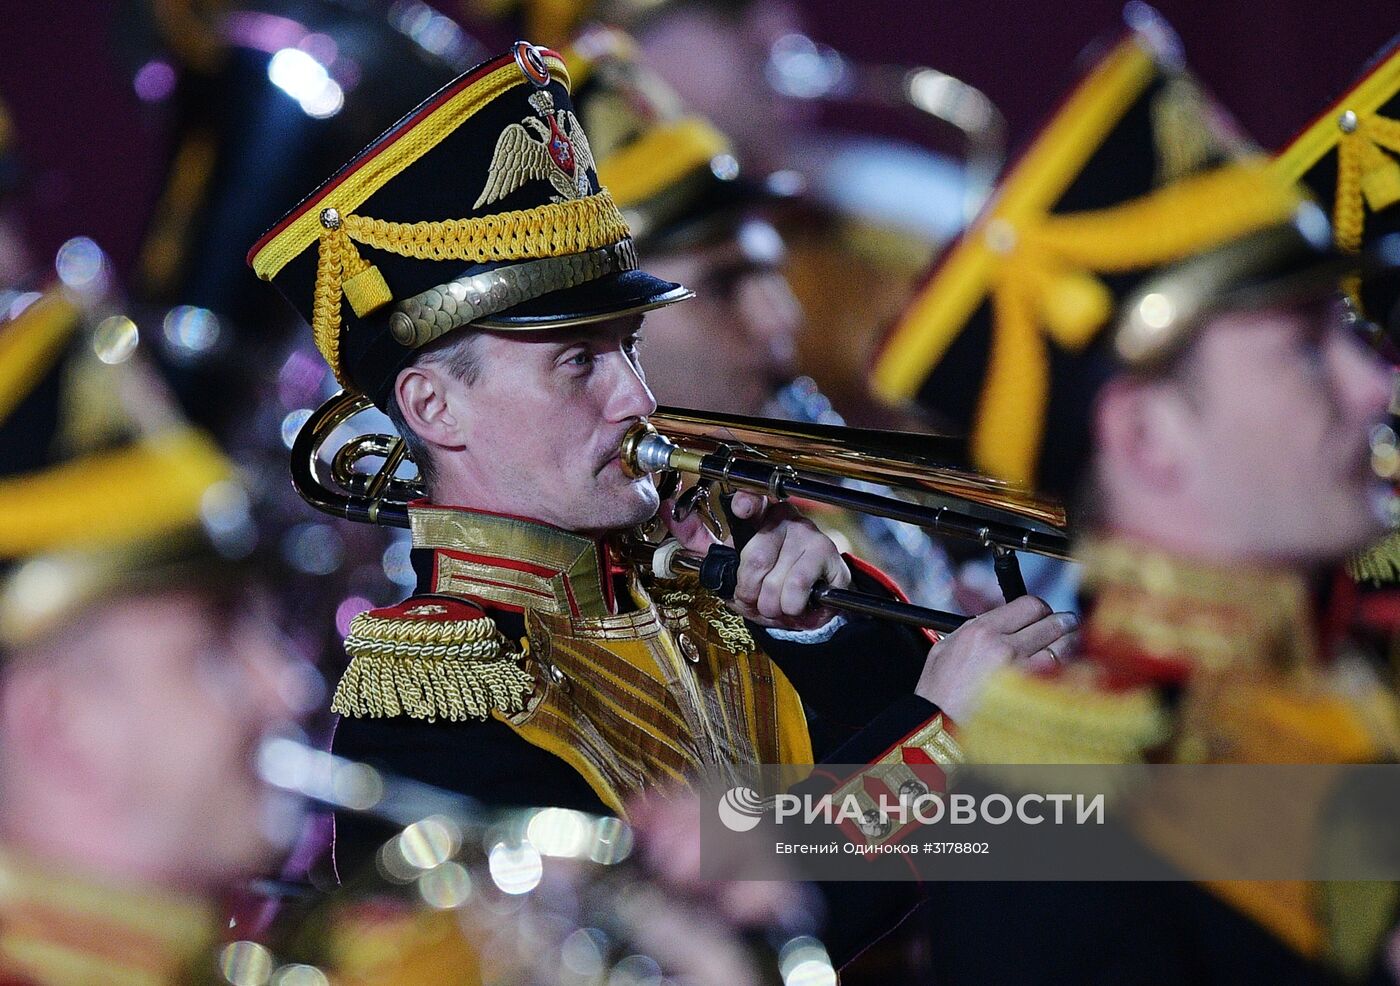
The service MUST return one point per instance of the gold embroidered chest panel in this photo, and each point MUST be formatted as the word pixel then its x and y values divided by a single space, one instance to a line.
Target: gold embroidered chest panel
pixel 649 692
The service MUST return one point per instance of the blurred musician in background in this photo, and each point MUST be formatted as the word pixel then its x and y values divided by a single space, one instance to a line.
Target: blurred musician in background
pixel 261 98
pixel 139 669
pixel 1347 158
pixel 1146 320
pixel 700 219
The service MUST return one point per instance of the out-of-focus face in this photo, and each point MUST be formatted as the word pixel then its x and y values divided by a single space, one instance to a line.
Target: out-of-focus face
pixel 165 699
pixel 734 345
pixel 544 422
pixel 1284 401
pixel 716 61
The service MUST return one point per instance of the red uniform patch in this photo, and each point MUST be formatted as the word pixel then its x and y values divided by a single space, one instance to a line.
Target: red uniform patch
pixel 436 609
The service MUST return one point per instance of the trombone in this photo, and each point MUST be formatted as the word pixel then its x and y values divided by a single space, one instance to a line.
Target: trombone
pixel 785 460
pixel 724 453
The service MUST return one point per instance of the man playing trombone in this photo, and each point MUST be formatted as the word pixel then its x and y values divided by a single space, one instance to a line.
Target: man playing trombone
pixel 532 665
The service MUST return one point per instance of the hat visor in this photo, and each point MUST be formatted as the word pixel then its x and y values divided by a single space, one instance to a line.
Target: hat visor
pixel 606 297
pixel 1283 264
pixel 1306 276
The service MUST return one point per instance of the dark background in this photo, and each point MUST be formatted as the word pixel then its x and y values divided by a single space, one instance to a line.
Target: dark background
pixel 94 151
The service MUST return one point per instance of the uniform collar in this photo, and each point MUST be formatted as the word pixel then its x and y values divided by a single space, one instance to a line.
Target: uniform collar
pixel 511 563
pixel 1160 617
pixel 58 928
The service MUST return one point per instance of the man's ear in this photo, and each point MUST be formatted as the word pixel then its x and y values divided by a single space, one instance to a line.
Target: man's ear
pixel 422 394
pixel 1144 433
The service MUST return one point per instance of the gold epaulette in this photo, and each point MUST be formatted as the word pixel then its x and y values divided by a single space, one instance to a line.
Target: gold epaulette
pixel 1379 563
pixel 430 659
pixel 683 603
pixel 1027 719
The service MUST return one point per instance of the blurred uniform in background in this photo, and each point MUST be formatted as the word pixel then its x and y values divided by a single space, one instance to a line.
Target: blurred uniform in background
pixel 262 99
pixel 700 219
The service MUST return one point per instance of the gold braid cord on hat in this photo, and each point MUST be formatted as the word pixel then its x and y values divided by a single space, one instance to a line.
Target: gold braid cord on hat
pixel 1044 287
pixel 555 230
pixel 1367 177
pixel 1038 270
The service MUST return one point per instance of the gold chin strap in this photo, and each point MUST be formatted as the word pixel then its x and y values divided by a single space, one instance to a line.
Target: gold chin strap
pixel 559 229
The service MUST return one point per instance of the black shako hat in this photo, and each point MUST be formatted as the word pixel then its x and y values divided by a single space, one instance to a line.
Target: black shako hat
pixel 481 207
pixel 1138 211
pixel 1347 157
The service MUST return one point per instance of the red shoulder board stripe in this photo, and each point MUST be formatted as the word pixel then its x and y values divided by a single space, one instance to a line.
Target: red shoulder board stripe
pixel 433 609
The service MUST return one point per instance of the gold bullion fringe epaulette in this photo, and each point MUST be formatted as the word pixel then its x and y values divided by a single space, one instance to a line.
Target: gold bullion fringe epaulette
pixel 1025 719
pixel 1379 563
pixel 452 670
pixel 681 599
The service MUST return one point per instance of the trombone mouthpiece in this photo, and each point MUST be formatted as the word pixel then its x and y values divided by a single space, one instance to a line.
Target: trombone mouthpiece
pixel 654 453
pixel 645 451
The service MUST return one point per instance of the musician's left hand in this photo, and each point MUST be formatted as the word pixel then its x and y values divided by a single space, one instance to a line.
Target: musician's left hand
pixel 778 567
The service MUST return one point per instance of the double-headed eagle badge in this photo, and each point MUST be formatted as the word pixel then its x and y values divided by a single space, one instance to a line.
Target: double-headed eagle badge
pixel 549 148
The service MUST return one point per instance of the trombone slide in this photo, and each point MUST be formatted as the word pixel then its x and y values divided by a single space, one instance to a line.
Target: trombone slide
pixel 718 570
pixel 645 450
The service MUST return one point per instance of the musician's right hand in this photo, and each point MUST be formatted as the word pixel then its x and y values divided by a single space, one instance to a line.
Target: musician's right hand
pixel 1023 631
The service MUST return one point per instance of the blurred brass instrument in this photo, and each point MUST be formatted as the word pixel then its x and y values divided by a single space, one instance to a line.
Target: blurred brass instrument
pixel 724 454
pixel 508 896
pixel 800 68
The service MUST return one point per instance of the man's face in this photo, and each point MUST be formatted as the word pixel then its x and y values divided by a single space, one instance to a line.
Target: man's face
pixel 170 701
pixel 1283 402
pixel 734 345
pixel 543 425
